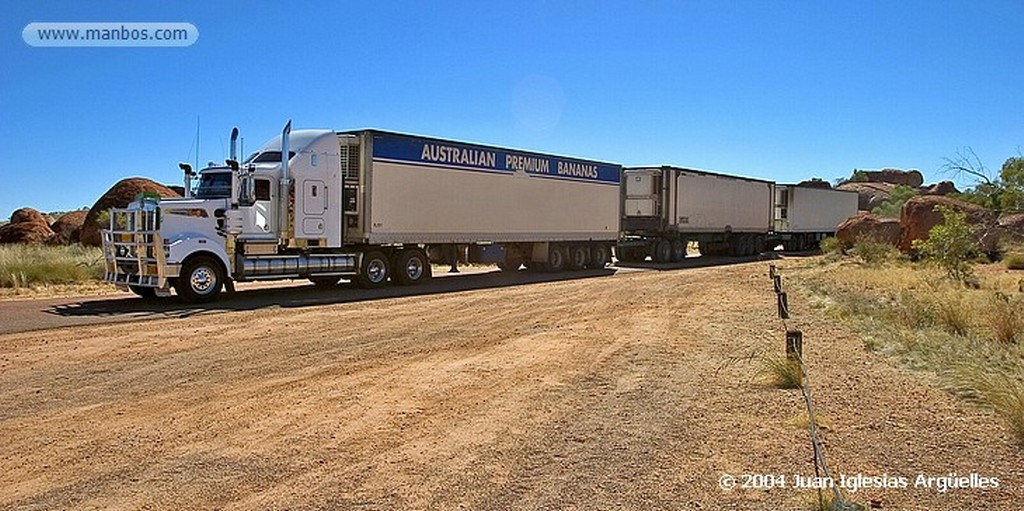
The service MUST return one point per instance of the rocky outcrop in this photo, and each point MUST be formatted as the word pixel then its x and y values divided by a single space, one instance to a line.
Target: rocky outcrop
pixel 118 196
pixel 911 178
pixel 68 227
pixel 869 195
pixel 28 215
pixel 940 188
pixel 25 232
pixel 867 225
pixel 27 226
pixel 1011 228
pixel 815 183
pixel 919 215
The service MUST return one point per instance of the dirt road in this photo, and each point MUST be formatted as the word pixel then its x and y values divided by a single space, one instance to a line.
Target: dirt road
pixel 637 391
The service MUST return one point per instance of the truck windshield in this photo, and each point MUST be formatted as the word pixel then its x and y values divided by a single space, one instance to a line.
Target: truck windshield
pixel 267 157
pixel 214 185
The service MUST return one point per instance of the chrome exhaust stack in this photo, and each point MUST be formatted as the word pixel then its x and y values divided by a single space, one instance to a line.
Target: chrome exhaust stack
pixel 284 189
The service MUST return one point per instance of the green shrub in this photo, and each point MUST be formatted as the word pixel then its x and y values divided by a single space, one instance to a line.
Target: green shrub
pixel 831 245
pixel 892 205
pixel 1014 261
pixel 873 252
pixel 951 244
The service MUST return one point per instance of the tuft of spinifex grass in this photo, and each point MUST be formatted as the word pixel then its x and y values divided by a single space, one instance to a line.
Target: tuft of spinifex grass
pixel 782 372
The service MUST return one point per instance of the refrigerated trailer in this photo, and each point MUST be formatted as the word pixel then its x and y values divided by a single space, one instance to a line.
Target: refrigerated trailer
pixel 369 205
pixel 665 208
pixel 806 214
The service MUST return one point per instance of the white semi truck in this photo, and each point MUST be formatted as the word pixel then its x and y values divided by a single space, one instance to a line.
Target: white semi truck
pixel 367 205
pixel 806 213
pixel 665 208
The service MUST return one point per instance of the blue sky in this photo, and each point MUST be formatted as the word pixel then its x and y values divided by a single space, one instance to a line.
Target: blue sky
pixel 777 90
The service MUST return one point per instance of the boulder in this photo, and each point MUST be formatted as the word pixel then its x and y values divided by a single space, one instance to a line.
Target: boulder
pixel 919 215
pixel 67 229
pixel 911 178
pixel 940 188
pixel 25 232
pixel 870 195
pixel 816 183
pixel 118 196
pixel 867 225
pixel 28 215
pixel 1011 228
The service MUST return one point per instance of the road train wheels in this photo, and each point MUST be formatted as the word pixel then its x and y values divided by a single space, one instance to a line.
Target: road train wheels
pixel 411 267
pixel 200 279
pixel 374 271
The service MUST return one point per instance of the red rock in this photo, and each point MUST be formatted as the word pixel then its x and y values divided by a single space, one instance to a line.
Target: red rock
pixel 911 178
pixel 940 188
pixel 867 225
pixel 118 196
pixel 869 195
pixel 25 215
pixel 919 215
pixel 25 232
pixel 68 227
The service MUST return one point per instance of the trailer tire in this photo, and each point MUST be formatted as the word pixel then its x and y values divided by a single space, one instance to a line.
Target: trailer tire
pixel 678 250
pixel 600 256
pixel 374 270
pixel 556 260
pixel 579 257
pixel 663 251
pixel 143 291
pixel 200 280
pixel 412 267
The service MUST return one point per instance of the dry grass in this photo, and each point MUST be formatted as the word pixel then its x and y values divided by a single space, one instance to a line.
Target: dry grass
pixel 1005 317
pixel 969 338
pixel 1014 261
pixel 782 372
pixel 31 266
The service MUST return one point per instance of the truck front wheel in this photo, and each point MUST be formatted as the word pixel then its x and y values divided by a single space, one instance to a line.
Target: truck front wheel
pixel 200 280
pixel 374 271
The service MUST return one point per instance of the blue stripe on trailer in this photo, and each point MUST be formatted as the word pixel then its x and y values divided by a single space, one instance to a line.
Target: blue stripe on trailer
pixel 434 152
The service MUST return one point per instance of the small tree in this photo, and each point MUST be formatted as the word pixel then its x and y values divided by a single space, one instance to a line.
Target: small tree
pixel 892 205
pixel 951 244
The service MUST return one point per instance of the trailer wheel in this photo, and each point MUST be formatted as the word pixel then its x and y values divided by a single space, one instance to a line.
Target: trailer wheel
pixel 579 256
pixel 412 267
pixel 662 251
pixel 200 280
pixel 600 256
pixel 556 260
pixel 678 250
pixel 374 271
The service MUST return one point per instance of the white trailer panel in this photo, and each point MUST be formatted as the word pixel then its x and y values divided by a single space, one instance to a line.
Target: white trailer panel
pixel 806 209
pixel 422 190
pixel 712 202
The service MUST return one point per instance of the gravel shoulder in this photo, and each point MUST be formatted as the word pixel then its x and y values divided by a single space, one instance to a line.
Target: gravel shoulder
pixel 633 391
